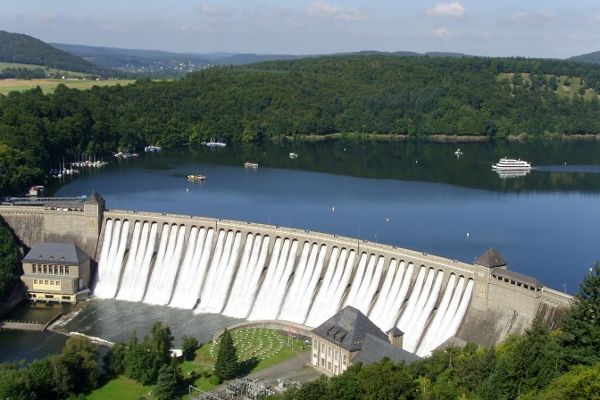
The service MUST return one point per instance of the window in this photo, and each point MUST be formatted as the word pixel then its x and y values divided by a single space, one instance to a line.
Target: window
pixel 66 270
pixel 45 269
pixel 46 282
pixel 56 270
pixel 62 270
pixel 35 281
pixel 66 297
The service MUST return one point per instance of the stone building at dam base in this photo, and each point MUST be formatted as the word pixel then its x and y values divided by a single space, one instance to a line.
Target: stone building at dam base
pixel 261 272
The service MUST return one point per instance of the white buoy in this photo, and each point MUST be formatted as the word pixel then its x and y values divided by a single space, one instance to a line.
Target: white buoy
pixel 187 189
pixel 468 234
pixel 332 209
pixel 387 220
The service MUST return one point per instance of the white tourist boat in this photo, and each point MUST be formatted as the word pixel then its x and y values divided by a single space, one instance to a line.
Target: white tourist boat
pixel 293 155
pixel 213 143
pixel 248 164
pixel 510 164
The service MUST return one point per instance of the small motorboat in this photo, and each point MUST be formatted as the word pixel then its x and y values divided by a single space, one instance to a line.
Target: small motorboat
pixel 293 155
pixel 250 165
pixel 196 178
pixel 458 152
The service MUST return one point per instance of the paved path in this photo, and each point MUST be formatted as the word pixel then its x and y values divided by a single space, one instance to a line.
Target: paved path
pixel 294 368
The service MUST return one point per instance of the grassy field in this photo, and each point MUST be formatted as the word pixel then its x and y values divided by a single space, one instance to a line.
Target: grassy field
pixel 48 85
pixel 568 86
pixel 120 388
pixel 256 348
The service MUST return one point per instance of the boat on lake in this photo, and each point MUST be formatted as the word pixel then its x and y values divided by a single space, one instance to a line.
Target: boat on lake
pixel 458 152
pixel 196 178
pixel 250 165
pixel 293 155
pixel 213 143
pixel 152 149
pixel 510 164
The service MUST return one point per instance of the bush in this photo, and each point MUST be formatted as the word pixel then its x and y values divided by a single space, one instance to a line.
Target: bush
pixel 214 380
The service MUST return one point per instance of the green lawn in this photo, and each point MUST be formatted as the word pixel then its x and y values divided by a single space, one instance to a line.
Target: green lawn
pixel 257 348
pixel 121 388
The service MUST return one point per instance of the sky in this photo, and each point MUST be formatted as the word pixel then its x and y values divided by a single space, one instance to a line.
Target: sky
pixel 533 28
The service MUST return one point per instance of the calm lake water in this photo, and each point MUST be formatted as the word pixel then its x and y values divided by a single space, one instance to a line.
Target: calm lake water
pixel 417 196
pixel 414 195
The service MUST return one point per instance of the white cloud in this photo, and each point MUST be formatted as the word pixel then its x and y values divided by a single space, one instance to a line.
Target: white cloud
pixel 212 10
pixel 531 16
pixel 443 33
pixel 323 10
pixel 452 10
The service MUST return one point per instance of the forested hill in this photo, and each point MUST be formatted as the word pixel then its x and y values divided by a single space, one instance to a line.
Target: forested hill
pixel 593 57
pixel 413 96
pixel 24 49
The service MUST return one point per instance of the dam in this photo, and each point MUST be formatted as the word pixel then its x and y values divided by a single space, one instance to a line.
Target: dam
pixel 261 272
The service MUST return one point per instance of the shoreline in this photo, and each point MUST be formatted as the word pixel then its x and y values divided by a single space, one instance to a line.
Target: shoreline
pixel 437 138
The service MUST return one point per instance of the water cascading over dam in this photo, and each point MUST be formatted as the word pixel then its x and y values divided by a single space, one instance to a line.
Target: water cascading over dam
pixel 261 273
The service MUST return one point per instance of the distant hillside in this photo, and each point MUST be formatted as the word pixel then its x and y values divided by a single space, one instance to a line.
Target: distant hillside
pixel 593 58
pixel 166 63
pixel 24 49
pixel 158 62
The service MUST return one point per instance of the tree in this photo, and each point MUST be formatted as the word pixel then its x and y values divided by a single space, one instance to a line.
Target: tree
pixel 226 366
pixel 114 359
pixel 580 332
pixel 142 361
pixel 75 369
pixel 169 380
pixel 189 345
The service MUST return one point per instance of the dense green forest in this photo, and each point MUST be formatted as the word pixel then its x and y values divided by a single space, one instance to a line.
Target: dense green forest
pixel 593 57
pixel 412 96
pixel 19 48
pixel 10 260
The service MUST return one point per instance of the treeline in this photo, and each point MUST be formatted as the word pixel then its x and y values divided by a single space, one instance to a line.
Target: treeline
pixel 413 96
pixel 10 261
pixel 23 73
pixel 540 365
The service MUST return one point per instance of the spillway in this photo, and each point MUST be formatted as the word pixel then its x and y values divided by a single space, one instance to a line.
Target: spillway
pixel 264 273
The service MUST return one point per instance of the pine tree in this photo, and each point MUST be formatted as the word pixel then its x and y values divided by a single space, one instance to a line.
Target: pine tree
pixel 169 380
pixel 226 366
pixel 580 336
pixel 189 345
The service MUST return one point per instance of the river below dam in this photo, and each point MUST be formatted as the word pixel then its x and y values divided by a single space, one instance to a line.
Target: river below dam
pixel 413 195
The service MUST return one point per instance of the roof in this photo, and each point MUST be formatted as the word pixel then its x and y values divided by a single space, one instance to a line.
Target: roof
pixel 56 253
pixel 517 277
pixel 348 328
pixel 395 332
pixel 491 259
pixel 374 349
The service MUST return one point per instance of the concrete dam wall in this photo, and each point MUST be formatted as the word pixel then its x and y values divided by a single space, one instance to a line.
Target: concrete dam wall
pixel 261 272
